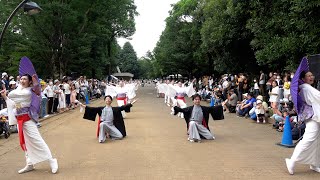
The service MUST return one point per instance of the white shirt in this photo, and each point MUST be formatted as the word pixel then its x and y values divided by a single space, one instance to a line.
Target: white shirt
pixel 49 91
pixel 66 87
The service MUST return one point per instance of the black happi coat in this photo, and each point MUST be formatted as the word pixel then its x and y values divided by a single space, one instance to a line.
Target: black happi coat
pixel 91 113
pixel 215 111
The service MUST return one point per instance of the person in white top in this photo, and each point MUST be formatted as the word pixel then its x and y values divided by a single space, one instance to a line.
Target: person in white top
pixel 274 96
pixel 122 97
pixel 20 111
pixel 256 89
pixel 67 92
pixel 181 92
pixel 48 91
pixel 77 88
pixel 62 99
pixel 307 150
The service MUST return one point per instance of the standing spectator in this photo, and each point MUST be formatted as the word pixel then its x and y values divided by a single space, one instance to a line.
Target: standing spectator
pixel 5 80
pixel 62 99
pixel 269 84
pixel 12 85
pixel 286 87
pixel 256 88
pixel 83 87
pixel 73 96
pixel 103 87
pixel 77 88
pixel 67 92
pixel 274 96
pixel 48 91
pixel 18 80
pixel 44 100
pixel 262 83
pixel 240 87
pixel 56 95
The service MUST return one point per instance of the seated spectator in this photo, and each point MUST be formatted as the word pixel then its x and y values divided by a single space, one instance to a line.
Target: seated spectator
pixel 231 103
pixel 260 112
pixel 215 98
pixel 239 104
pixel 245 107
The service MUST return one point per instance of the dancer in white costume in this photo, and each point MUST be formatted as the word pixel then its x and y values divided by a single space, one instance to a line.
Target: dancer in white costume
pixel 181 92
pixel 308 149
pixel 122 92
pixel 19 102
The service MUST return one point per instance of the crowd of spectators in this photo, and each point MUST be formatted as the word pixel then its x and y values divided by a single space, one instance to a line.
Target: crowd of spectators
pixel 57 95
pixel 263 98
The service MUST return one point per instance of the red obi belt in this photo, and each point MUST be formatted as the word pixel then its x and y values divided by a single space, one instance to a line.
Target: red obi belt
pixel 123 99
pixel 181 98
pixel 21 119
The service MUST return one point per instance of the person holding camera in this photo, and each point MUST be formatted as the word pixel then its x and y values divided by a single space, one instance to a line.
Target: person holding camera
pixel 231 103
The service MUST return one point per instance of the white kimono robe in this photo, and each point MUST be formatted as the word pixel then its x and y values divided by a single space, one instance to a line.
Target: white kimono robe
pixel 308 149
pixel 36 148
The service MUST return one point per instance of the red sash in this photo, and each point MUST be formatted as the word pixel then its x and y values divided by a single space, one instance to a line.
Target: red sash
pixel 21 119
pixel 204 123
pixel 182 98
pixel 123 99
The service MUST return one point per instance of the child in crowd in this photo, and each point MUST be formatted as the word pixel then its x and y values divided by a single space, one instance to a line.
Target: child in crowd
pixel 73 97
pixel 4 124
pixel 62 99
pixel 260 112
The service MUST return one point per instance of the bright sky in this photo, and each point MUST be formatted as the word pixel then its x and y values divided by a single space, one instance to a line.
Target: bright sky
pixel 149 24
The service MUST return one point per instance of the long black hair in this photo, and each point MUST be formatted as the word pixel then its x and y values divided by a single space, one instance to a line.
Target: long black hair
pixel 303 74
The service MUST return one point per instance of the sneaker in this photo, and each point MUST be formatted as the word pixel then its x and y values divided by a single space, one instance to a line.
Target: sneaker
pixel 26 169
pixel 264 121
pixel 315 168
pixel 258 121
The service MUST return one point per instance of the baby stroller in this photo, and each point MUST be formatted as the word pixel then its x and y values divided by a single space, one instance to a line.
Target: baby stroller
pixel 4 124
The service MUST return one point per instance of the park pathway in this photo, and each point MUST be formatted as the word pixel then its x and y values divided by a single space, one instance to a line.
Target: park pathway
pixel 156 147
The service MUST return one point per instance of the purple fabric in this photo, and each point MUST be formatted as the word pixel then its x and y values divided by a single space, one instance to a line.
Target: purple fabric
pixel 26 67
pixel 306 112
pixel 295 82
pixel 180 94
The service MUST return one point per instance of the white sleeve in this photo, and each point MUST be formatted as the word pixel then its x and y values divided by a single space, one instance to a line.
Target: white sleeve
pixel 312 97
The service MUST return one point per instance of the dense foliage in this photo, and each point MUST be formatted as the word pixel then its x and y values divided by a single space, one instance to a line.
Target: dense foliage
pixel 201 37
pixel 68 36
pixel 232 36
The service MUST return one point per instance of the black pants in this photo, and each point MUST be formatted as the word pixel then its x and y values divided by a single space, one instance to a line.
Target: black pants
pixel 55 104
pixel 50 104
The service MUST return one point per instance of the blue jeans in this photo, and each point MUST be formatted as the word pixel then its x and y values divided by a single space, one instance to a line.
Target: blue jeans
pixel 243 112
pixel 277 118
pixel 43 111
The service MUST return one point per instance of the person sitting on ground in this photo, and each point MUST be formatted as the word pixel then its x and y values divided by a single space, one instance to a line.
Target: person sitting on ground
pixel 231 103
pixel 245 107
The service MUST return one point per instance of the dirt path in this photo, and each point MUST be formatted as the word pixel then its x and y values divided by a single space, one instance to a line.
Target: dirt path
pixel 156 148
